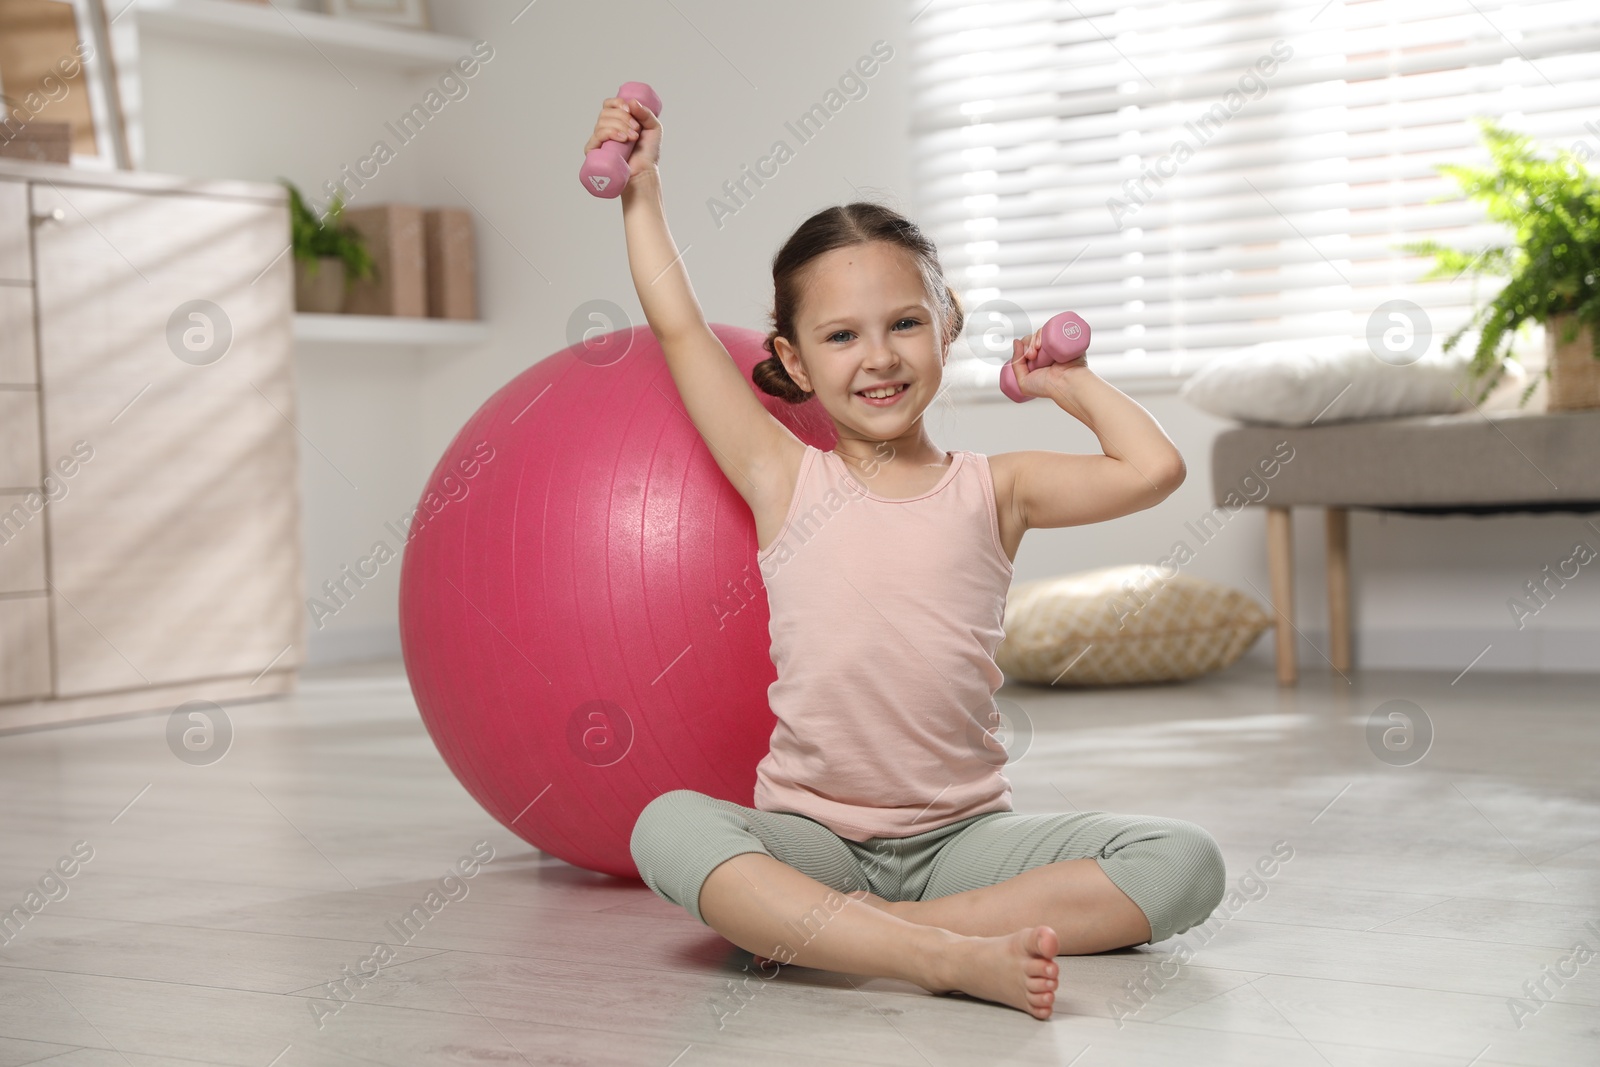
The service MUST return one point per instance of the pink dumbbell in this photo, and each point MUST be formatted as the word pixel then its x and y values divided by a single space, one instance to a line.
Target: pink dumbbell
pixel 605 169
pixel 1065 338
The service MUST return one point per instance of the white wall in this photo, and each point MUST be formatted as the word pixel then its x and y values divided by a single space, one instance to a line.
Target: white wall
pixel 1429 592
pixel 217 110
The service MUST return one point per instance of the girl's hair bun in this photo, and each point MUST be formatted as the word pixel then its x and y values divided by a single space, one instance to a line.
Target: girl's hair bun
pixel 772 377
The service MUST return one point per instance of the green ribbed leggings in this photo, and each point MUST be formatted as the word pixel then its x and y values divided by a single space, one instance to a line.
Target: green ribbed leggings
pixel 1172 869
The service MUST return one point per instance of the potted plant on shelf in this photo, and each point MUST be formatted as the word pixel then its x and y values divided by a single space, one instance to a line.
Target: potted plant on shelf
pixel 328 255
pixel 1553 208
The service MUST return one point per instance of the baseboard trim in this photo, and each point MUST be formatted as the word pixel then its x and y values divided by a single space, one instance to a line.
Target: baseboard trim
pixel 352 644
pixel 102 707
pixel 1556 651
pixel 1566 651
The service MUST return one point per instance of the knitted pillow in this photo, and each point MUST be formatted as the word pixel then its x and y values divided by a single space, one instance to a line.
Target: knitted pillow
pixel 1127 624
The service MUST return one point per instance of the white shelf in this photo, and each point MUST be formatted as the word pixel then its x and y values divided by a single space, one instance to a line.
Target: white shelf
pixel 388 330
pixel 308 32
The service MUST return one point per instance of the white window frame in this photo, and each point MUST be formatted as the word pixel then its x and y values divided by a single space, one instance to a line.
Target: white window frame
pixel 1029 117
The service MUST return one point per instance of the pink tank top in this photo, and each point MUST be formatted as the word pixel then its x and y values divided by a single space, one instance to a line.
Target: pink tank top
pixel 885 616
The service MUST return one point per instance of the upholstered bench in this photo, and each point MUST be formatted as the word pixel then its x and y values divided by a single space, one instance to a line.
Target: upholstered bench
pixel 1472 463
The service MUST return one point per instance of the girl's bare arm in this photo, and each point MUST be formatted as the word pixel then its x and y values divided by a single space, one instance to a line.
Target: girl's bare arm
pixel 659 275
pixel 745 440
pixel 1139 468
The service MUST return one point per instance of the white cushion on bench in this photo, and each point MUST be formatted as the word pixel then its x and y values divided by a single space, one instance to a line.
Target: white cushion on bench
pixel 1290 383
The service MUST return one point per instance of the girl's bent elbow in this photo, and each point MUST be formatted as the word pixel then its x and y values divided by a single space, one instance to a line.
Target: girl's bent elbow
pixel 1172 476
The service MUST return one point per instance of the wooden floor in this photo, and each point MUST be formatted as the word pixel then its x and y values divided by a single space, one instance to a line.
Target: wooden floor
pixel 1419 902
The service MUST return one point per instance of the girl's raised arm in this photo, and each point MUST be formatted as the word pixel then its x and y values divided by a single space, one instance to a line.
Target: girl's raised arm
pixel 1139 468
pixel 746 441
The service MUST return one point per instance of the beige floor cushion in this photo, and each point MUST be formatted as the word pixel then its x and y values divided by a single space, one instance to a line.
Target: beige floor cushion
pixel 1124 625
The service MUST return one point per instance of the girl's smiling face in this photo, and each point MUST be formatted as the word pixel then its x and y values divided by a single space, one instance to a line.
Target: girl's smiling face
pixel 866 323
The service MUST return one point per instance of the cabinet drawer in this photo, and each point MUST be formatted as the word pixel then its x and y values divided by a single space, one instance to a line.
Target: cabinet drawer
pixel 19 438
pixel 24 648
pixel 22 542
pixel 17 364
pixel 16 264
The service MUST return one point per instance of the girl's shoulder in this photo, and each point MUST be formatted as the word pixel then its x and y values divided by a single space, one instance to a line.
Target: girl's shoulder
pixel 1003 467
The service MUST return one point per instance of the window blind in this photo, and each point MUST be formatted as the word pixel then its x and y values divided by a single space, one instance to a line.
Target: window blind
pixel 1197 177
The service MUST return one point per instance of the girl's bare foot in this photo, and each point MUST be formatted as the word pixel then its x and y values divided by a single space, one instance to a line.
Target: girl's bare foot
pixel 1017 969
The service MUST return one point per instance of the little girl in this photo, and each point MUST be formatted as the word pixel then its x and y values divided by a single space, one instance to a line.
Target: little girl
pixel 883 841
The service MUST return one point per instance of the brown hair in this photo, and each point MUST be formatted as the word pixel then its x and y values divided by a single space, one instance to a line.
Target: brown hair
pixel 839 227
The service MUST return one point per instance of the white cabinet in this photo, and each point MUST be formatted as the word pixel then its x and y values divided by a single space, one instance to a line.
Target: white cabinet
pixel 151 533
pixel 24 608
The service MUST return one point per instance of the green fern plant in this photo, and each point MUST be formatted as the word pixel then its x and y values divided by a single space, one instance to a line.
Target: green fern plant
pixel 313 238
pixel 1553 208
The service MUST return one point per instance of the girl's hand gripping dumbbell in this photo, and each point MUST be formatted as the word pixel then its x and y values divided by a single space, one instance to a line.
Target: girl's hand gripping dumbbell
pixel 1064 339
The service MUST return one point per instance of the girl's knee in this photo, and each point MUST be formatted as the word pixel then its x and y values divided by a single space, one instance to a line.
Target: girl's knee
pixel 659 824
pixel 1195 863
pixel 680 837
pixel 1199 852
pixel 1172 869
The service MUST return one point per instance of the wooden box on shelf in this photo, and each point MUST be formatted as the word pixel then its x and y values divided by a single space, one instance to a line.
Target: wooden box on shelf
pixel 42 142
pixel 393 233
pixel 451 273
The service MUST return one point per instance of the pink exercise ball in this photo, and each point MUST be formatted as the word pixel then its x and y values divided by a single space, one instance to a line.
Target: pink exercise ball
pixel 582 618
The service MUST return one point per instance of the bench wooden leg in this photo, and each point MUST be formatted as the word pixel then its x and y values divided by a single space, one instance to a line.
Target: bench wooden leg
pixel 1280 567
pixel 1338 536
